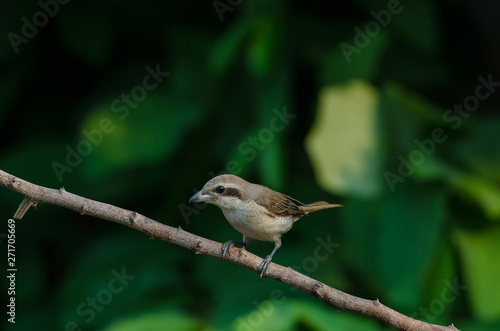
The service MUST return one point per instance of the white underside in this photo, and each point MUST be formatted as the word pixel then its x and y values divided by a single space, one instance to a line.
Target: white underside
pixel 254 221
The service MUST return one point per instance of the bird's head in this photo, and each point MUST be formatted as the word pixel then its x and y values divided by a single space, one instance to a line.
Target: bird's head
pixel 221 191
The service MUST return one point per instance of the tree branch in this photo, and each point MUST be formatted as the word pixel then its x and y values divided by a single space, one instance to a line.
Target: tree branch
pixel 34 194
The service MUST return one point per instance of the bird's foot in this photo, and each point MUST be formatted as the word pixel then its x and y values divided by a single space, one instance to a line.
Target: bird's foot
pixel 226 248
pixel 264 266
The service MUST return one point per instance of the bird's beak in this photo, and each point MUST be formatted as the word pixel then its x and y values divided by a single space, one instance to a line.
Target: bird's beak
pixel 200 197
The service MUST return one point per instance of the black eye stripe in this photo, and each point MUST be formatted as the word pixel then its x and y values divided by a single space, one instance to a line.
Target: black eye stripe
pixel 228 191
pixel 234 192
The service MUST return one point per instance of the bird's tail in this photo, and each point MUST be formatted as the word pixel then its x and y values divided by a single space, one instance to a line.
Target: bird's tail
pixel 315 206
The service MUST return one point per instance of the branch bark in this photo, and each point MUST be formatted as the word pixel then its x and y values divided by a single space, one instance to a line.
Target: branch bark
pixel 34 194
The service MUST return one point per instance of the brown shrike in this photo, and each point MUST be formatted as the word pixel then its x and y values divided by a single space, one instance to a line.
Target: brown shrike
pixel 255 211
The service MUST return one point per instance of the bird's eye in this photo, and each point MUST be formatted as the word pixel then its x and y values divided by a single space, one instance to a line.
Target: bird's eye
pixel 220 189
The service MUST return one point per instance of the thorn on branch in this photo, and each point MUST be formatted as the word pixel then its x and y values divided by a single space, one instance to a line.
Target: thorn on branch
pixel 376 302
pixel 197 248
pixel 132 217
pixel 316 288
pixel 11 183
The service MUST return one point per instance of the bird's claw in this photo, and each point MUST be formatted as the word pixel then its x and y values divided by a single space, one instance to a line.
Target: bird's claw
pixel 264 266
pixel 226 249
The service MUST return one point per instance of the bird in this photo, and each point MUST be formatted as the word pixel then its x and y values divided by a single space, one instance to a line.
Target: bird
pixel 255 211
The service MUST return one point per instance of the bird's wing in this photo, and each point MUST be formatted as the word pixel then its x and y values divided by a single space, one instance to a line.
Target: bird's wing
pixel 280 205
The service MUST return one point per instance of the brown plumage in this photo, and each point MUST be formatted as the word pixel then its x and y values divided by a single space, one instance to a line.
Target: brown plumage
pixel 256 211
pixel 279 204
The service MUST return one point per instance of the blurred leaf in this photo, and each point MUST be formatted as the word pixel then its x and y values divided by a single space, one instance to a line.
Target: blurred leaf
pixel 267 316
pixel 486 194
pixel 291 314
pixel 156 321
pixel 415 106
pixel 343 143
pixel 32 162
pixel 470 186
pixel 472 325
pixel 134 259
pixel 190 75
pixel 244 154
pixel 88 33
pixel 272 164
pixel 441 271
pixel 225 281
pixel 265 43
pixel 403 118
pixel 226 49
pixel 360 223
pixel 277 119
pixel 343 65
pixel 479 256
pixel 147 136
pixel 478 147
pixel 425 73
pixel 417 22
pixel 409 43
pixel 318 317
pixel 410 231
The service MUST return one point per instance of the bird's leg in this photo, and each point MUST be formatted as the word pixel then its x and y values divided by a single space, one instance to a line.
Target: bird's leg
pixel 246 242
pixel 226 248
pixel 267 261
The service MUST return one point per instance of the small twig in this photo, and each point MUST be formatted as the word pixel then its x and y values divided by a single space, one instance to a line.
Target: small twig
pixel 23 208
pixel 200 245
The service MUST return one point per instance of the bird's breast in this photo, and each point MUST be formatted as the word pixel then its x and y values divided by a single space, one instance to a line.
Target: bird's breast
pixel 254 221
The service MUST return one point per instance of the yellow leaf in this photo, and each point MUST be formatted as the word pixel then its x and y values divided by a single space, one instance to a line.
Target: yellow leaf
pixel 343 143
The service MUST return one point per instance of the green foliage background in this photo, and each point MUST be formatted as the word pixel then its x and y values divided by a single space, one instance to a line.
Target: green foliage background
pixel 356 119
